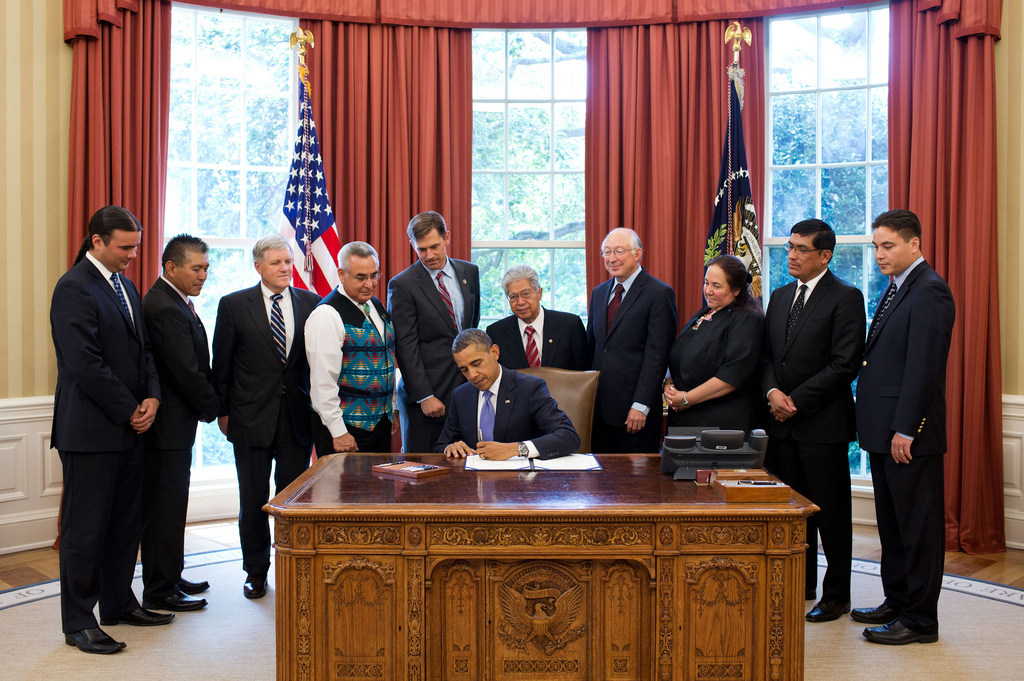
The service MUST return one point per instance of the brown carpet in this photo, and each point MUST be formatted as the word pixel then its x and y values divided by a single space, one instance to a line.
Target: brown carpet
pixel 980 638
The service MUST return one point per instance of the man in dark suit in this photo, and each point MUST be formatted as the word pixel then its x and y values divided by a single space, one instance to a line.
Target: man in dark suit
pixel 430 301
pixel 501 413
pixel 814 341
pixel 350 345
pixel 262 380
pixel 107 395
pixel 901 422
pixel 182 355
pixel 631 326
pixel 534 336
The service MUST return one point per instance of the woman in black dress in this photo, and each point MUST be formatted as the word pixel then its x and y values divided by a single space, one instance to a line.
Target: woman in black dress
pixel 713 363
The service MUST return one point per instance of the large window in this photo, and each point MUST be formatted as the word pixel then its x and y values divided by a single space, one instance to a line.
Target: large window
pixel 828 134
pixel 232 127
pixel 529 109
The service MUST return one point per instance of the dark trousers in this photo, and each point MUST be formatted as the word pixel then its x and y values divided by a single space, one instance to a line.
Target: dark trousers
pixel 100 524
pixel 419 432
pixel 166 476
pixel 820 472
pixel 615 439
pixel 252 465
pixel 910 512
pixel 377 440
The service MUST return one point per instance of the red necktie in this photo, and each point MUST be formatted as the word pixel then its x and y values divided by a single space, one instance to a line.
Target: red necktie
pixel 447 298
pixel 532 356
pixel 613 306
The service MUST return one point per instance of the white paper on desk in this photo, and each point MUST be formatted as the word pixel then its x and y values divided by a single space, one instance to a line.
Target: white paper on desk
pixel 572 462
pixel 516 463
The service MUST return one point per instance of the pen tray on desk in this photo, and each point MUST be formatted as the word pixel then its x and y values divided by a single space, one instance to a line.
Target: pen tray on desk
pixel 411 469
pixel 751 490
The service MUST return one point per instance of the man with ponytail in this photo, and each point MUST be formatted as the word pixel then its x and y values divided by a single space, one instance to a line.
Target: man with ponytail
pixel 107 395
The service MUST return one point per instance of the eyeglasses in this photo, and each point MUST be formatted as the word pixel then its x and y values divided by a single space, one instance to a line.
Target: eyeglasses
pixel 527 295
pixel 618 252
pixel 801 250
pixel 363 278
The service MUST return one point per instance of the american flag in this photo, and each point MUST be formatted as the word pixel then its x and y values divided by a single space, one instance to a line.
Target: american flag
pixel 308 220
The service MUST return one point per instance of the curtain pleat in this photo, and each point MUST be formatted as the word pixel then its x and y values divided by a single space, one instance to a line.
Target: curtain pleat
pixel 942 166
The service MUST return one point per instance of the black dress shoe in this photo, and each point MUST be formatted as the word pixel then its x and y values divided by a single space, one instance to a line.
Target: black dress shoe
pixel 883 614
pixel 255 587
pixel 827 611
pixel 192 588
pixel 93 641
pixel 177 601
pixel 139 618
pixel 896 634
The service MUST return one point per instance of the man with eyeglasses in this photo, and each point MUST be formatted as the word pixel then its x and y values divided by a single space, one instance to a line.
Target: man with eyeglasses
pixel 814 342
pixel 350 345
pixel 631 326
pixel 534 336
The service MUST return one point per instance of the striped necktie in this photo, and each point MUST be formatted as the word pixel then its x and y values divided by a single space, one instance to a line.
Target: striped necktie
pixel 277 327
pixel 532 354
pixel 120 295
pixel 447 298
pixel 882 308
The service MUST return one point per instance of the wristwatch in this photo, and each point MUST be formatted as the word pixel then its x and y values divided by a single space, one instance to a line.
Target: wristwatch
pixel 524 451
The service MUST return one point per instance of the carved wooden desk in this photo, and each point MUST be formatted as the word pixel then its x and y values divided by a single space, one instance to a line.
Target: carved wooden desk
pixel 613 575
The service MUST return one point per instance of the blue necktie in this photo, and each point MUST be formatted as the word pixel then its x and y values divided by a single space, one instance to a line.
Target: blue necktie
pixel 277 326
pixel 487 418
pixel 120 294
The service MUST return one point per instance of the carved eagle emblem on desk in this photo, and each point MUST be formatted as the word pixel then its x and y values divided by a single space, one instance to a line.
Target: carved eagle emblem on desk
pixel 543 616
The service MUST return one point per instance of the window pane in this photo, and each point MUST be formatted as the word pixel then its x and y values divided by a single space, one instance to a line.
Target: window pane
pixel 268 62
pixel 879 190
pixel 569 207
pixel 571 64
pixel 843 127
pixel 182 48
pixel 488 64
pixel 179 140
pixel 529 66
pixel 491 262
pixel 855 264
pixel 488 206
pixel 778 269
pixel 213 455
pixel 569 283
pixel 178 210
pixel 219 202
pixel 263 202
pixel 844 55
pixel 219 44
pixel 231 269
pixel 488 136
pixel 879 123
pixel 879 46
pixel 844 199
pixel 529 137
pixel 794 55
pixel 529 206
pixel 220 128
pixel 569 136
pixel 792 199
pixel 794 133
pixel 267 133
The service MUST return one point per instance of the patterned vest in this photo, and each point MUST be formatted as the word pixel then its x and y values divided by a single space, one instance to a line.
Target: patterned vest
pixel 367 376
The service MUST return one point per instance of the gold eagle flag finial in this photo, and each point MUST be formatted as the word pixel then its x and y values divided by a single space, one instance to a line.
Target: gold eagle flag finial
pixel 304 38
pixel 737 34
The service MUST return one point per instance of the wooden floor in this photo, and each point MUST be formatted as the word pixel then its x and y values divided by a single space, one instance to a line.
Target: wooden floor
pixel 40 565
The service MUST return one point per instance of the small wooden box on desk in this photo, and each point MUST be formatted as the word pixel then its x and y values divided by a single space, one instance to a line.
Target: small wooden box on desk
pixel 749 486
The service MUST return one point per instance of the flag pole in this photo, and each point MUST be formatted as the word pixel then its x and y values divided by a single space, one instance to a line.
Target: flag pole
pixel 302 39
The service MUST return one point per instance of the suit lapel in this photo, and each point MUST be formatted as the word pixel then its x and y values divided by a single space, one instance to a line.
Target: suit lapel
pixel 258 313
pixel 780 315
pixel 429 287
pixel 549 343
pixel 599 311
pixel 506 402
pixel 901 293
pixel 197 324
pixel 819 292
pixel 634 292
pixel 513 341
pixel 468 294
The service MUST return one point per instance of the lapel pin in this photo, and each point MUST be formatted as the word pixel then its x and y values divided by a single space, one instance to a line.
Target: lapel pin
pixel 507 401
pixel 551 340
pixel 463 281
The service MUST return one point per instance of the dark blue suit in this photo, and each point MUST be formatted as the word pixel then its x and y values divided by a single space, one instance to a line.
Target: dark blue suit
pixel 632 357
pixel 525 411
pixel 563 346
pixel 104 372
pixel 902 388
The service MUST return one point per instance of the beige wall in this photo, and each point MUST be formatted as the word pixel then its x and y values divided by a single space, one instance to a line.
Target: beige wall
pixel 35 87
pixel 35 84
pixel 1010 125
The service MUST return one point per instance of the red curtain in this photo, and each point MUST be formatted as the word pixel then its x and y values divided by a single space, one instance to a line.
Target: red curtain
pixel 120 84
pixel 942 165
pixel 393 109
pixel 656 114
